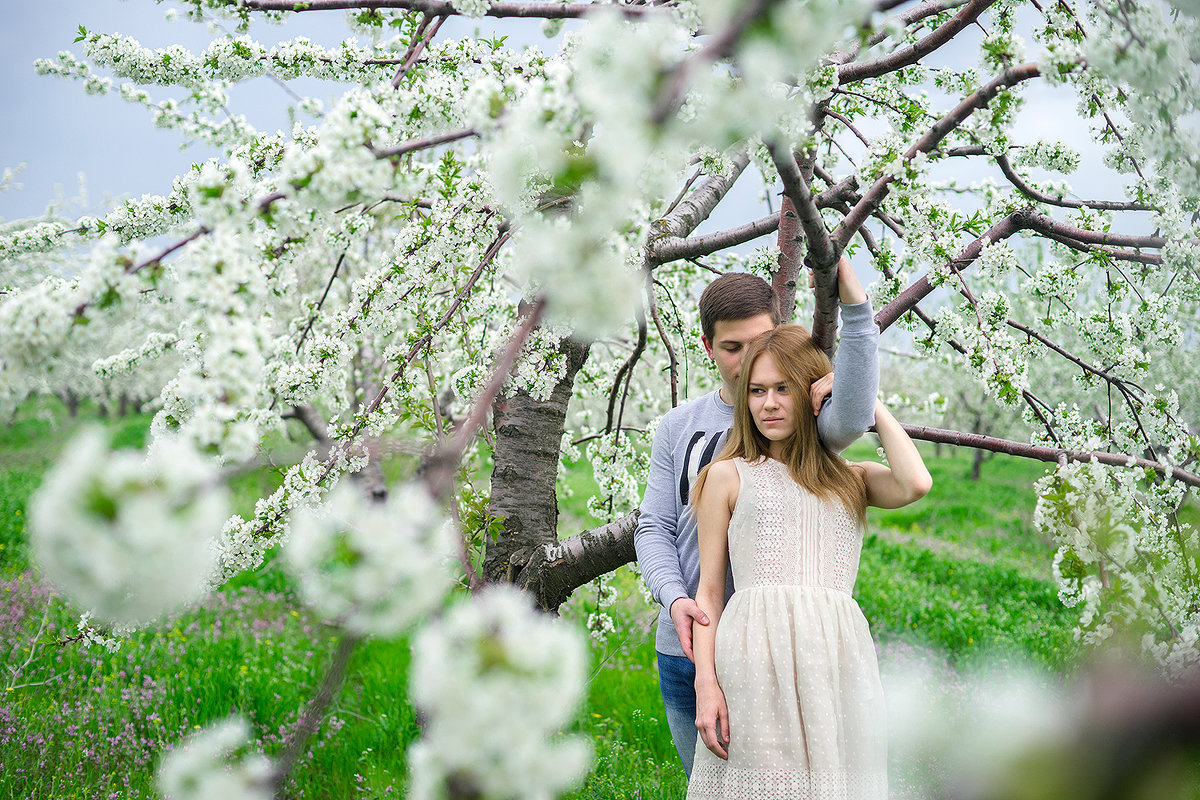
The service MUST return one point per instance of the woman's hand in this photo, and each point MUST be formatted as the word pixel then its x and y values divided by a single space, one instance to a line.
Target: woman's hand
pixel 712 719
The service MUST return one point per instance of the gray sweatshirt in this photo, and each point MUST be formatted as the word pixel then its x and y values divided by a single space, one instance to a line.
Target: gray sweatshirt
pixel 691 435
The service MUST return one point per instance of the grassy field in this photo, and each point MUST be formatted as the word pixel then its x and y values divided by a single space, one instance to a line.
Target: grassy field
pixel 960 575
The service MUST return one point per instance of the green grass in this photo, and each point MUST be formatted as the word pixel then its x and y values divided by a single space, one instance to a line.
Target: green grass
pixel 623 716
pixel 961 573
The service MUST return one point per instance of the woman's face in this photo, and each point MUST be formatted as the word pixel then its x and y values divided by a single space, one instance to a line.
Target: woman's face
pixel 772 406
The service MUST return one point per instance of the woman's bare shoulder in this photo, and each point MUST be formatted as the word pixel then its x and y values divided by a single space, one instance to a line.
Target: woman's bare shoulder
pixel 723 479
pixel 724 469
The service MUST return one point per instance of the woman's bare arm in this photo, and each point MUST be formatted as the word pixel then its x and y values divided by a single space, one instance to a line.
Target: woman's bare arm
pixel 905 479
pixel 713 511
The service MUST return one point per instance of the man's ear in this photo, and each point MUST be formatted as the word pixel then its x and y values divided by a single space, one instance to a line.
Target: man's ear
pixel 707 345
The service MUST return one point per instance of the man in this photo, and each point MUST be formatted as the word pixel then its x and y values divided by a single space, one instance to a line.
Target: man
pixel 733 310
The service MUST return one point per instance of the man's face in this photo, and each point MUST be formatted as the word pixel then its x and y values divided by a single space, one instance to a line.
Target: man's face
pixel 728 344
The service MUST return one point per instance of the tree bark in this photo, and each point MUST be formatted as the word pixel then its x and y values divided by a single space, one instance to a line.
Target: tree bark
pixel 787 277
pixel 977 465
pixel 556 569
pixel 524 471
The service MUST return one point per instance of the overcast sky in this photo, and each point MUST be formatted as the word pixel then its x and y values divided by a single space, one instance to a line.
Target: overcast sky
pixel 58 131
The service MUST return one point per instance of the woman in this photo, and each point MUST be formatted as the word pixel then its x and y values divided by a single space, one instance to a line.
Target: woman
pixel 788 698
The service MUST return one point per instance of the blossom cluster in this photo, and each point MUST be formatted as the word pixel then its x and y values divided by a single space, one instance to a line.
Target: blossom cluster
pixel 496 681
pixel 374 568
pixel 146 218
pixel 213 763
pixel 125 536
pixel 229 59
pixel 1121 548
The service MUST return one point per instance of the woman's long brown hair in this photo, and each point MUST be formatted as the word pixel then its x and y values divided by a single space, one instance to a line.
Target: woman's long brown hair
pixel 811 465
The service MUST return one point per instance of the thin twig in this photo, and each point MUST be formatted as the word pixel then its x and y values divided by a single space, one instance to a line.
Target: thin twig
pixel 321 302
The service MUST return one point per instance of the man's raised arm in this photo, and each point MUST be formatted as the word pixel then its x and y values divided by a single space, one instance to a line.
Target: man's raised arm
pixel 850 410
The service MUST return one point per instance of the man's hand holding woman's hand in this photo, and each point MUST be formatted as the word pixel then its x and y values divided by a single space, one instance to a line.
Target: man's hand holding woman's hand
pixel 683 611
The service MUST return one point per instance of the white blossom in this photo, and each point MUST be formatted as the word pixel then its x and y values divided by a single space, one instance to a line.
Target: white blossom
pixel 373 567
pixel 216 764
pixel 126 536
pixel 496 681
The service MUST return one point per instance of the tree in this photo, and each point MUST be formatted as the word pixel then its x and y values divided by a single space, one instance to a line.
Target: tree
pixel 473 233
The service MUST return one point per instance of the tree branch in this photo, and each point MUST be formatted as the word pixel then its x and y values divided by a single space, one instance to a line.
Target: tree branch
pixel 447 9
pixel 842 118
pixel 427 142
pixel 1049 226
pixel 672 249
pixel 1025 219
pixel 625 375
pixel 1033 194
pixel 673 359
pixel 1041 453
pixel 442 464
pixel 821 250
pixel 557 569
pixel 314 712
pixel 718 46
pixel 421 38
pixel 313 422
pixel 325 294
pixel 912 53
pixel 822 253
pixel 153 261
pixel 695 209
pixel 932 138
pixel 920 289
pixel 915 14
pixel 787 276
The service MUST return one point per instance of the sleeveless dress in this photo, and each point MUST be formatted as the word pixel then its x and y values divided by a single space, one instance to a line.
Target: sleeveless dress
pixel 794 654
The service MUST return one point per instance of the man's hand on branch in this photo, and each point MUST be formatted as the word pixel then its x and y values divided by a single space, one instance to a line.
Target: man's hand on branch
pixel 850 289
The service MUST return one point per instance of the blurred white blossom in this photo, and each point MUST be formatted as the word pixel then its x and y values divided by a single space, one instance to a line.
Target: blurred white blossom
pixel 955 731
pixel 374 567
pixel 128 537
pixel 496 681
pixel 213 765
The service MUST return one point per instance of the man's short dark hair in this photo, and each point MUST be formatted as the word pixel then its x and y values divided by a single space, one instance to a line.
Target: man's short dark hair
pixel 734 296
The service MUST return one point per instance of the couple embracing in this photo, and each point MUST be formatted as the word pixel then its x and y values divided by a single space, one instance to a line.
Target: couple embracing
pixel 746 490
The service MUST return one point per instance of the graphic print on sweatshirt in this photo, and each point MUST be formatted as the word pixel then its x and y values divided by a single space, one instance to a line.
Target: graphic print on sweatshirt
pixel 700 451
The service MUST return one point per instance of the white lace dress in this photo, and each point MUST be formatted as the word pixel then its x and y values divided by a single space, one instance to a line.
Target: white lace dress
pixel 794 654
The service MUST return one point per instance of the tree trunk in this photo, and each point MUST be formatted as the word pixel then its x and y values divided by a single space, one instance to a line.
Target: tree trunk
pixel 976 464
pixel 524 472
pixel 71 401
pixel 370 477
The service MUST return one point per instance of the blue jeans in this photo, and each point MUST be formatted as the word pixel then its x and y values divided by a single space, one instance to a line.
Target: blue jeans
pixel 677 681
